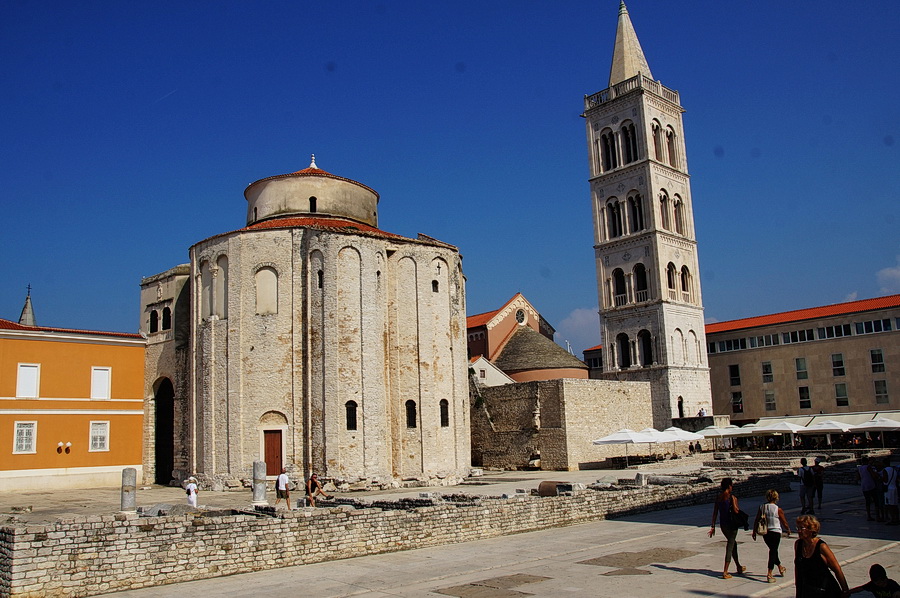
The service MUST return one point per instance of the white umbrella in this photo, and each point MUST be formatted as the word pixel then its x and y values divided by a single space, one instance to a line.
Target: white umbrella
pixel 680 435
pixel 882 424
pixel 684 434
pixel 660 436
pixel 827 426
pixel 626 437
pixel 713 432
pixel 780 427
pixel 735 430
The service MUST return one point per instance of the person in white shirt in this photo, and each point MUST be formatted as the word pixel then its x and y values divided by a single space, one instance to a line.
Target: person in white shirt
pixel 776 524
pixel 282 490
pixel 191 490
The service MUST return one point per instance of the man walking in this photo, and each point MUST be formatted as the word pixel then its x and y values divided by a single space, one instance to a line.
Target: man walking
pixel 807 488
pixel 282 490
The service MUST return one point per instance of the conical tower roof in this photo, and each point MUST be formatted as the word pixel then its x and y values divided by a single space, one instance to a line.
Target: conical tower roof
pixel 27 317
pixel 628 57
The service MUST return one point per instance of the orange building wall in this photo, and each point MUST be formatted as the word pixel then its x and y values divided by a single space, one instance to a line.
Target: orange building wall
pixel 64 410
pixel 66 367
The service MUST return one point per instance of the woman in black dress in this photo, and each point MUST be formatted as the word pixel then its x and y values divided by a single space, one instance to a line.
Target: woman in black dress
pixel 725 510
pixel 814 563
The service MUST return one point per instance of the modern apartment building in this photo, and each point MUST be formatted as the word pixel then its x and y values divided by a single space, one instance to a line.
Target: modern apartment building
pixel 832 359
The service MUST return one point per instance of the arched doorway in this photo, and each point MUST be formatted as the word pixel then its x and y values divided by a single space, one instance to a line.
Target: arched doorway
pixel 164 431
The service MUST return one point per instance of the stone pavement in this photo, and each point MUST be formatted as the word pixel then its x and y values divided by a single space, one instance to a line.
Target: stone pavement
pixel 666 553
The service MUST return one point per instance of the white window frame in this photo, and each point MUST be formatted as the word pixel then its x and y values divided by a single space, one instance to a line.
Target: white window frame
pixel 37 380
pixel 96 390
pixel 16 428
pixel 91 448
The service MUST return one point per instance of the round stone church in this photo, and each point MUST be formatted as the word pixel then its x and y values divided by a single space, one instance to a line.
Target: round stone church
pixel 309 339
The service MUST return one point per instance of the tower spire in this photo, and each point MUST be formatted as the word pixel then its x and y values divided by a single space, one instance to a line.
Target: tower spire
pixel 27 317
pixel 628 57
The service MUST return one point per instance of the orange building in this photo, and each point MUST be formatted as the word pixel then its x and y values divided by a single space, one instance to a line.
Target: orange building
pixel 71 406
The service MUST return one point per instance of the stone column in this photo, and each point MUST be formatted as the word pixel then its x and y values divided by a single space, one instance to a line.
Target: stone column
pixel 259 483
pixel 129 483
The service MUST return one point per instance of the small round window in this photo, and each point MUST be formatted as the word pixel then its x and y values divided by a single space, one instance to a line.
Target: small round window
pixel 520 316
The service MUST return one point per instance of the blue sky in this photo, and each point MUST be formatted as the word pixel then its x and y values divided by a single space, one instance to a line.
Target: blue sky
pixel 130 130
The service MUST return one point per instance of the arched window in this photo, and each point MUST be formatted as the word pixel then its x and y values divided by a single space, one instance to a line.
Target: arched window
pixel 657 140
pixel 266 291
pixel 670 142
pixel 671 275
pixel 636 203
pixel 435 286
pixel 312 204
pixel 221 293
pixel 623 348
pixel 664 210
pixel 614 218
pixel 641 290
pixel 608 150
pixel 445 413
pixel 646 344
pixel 320 278
pixel 629 143
pixel 167 318
pixel 620 293
pixel 678 207
pixel 411 418
pixel 350 409
pixel 685 284
pixel 205 290
pixel 154 321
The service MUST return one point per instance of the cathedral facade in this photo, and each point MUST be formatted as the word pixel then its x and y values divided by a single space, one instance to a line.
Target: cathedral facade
pixel 645 247
pixel 309 339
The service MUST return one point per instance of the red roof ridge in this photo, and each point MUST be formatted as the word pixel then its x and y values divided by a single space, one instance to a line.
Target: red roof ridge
pixel 799 315
pixel 10 325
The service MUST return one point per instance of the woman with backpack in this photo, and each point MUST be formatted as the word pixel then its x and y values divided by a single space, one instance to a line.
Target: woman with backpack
pixel 775 525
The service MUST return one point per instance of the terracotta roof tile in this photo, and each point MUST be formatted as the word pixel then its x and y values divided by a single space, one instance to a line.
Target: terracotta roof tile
pixel 811 313
pixel 340 225
pixel 10 325
pixel 597 348
pixel 480 319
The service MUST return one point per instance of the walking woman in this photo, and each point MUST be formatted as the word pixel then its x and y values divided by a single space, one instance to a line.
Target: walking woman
pixel 725 509
pixel 814 563
pixel 776 524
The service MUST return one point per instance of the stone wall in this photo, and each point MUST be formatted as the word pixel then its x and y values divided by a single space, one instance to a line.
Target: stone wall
pixel 91 555
pixel 558 419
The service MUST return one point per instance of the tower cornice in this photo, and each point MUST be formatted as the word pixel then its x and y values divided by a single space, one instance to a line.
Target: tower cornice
pixel 637 85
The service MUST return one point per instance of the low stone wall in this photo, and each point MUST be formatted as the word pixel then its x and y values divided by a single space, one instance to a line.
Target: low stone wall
pixel 91 555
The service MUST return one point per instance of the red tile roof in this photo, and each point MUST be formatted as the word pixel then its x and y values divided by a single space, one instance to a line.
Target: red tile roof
pixel 10 325
pixel 480 319
pixel 811 313
pixel 330 224
pixel 597 348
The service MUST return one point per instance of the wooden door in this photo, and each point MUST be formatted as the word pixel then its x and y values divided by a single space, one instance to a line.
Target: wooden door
pixel 272 443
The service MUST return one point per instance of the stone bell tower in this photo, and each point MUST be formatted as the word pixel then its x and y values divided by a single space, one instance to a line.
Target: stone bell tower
pixel 645 247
